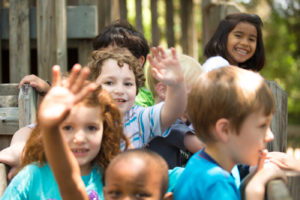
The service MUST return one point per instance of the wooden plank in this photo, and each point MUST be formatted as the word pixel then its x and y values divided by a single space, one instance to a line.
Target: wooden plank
pixel 8 127
pixel 294 184
pixel 280 118
pixel 154 24
pixel 188 37
pixel 46 40
pixel 8 101
pixel 115 10
pixel 139 16
pixel 170 23
pixel 27 109
pixel 61 34
pixel 9 114
pixel 85 18
pixel 5 141
pixel 123 9
pixel 102 13
pixel 19 49
pixel 9 89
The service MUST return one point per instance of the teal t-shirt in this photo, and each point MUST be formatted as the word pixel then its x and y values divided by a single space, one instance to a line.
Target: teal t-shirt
pixel 35 183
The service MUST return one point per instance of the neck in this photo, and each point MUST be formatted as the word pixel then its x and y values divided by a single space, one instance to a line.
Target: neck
pixel 221 156
pixel 85 170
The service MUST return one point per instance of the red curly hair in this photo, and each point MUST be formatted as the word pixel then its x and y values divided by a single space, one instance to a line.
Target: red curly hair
pixel 112 133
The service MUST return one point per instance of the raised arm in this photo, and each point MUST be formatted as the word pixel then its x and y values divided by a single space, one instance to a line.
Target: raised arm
pixel 53 110
pixel 167 69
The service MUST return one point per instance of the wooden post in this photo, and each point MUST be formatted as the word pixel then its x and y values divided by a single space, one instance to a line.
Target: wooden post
pixel 123 9
pixel 170 23
pixel 27 105
pixel 139 16
pixel 188 37
pixel 277 190
pixel 101 13
pixel 61 34
pixel 46 38
pixel 115 10
pixel 279 120
pixel 19 42
pixel 294 184
pixel 154 24
pixel 212 13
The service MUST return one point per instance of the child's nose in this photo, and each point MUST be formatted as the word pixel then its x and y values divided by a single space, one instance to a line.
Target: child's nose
pixel 269 136
pixel 119 89
pixel 79 137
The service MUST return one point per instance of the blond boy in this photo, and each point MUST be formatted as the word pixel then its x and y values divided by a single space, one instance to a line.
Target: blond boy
pixel 231 110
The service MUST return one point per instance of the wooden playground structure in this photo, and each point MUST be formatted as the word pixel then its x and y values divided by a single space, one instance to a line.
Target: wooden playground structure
pixel 35 35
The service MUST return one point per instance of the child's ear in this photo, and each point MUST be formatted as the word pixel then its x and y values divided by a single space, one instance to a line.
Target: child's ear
pixel 168 196
pixel 223 129
pixel 161 91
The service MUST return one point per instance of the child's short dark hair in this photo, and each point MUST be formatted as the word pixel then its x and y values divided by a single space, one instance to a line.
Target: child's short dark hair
pixel 149 157
pixel 122 34
pixel 217 45
pixel 228 92
pixel 121 55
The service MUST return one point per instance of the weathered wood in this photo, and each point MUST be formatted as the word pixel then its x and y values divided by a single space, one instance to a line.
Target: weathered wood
pixel 46 39
pixel 19 49
pixel 212 13
pixel 170 23
pixel 85 17
pixel 294 184
pixel 277 190
pixel 8 101
pixel 3 182
pixel 9 89
pixel 5 140
pixel 115 10
pixel 188 37
pixel 123 9
pixel 27 109
pixel 154 23
pixel 139 16
pixel 61 34
pixel 101 13
pixel 279 120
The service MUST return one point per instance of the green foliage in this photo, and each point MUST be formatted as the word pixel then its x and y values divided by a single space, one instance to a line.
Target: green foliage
pixel 283 64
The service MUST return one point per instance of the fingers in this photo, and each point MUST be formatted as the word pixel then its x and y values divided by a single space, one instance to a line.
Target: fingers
pixel 261 160
pixel 85 91
pixel 73 76
pixel 56 78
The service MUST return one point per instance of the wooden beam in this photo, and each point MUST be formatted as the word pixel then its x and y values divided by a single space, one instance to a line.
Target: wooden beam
pixel 123 9
pixel 115 10
pixel 61 34
pixel 154 23
pixel 19 49
pixel 139 16
pixel 0 43
pixel 46 39
pixel 3 178
pixel 170 23
pixel 188 37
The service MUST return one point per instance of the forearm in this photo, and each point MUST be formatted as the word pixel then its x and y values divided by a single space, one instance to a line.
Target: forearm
pixel 64 165
pixel 175 104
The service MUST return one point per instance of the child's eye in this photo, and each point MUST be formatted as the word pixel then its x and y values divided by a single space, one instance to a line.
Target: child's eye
pixel 108 83
pixel 142 195
pixel 252 40
pixel 67 128
pixel 92 128
pixel 128 84
pixel 238 35
pixel 114 194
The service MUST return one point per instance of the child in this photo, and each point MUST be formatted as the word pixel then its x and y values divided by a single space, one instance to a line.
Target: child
pixel 88 122
pixel 137 174
pixel 119 73
pixel 181 142
pixel 237 41
pixel 118 34
pixel 231 110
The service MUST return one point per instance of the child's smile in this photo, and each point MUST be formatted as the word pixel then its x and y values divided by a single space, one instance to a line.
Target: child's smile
pixel 241 43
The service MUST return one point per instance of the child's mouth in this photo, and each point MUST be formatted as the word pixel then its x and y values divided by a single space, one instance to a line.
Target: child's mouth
pixel 80 152
pixel 120 100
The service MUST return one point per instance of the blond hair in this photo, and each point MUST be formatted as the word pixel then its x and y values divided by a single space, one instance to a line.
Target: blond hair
pixel 228 92
pixel 191 70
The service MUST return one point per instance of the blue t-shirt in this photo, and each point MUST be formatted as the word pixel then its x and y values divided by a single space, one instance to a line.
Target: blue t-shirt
pixel 34 182
pixel 204 179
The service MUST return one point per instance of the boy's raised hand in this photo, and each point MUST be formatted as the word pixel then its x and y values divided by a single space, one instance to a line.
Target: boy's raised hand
pixel 63 95
pixel 166 67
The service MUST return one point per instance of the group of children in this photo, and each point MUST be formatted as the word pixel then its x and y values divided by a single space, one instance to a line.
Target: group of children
pixel 87 126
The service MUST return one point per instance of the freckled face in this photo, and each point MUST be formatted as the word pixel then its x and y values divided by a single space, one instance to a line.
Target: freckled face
pixel 119 82
pixel 241 43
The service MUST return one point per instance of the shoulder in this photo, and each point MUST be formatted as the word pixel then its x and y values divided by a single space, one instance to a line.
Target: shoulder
pixel 214 63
